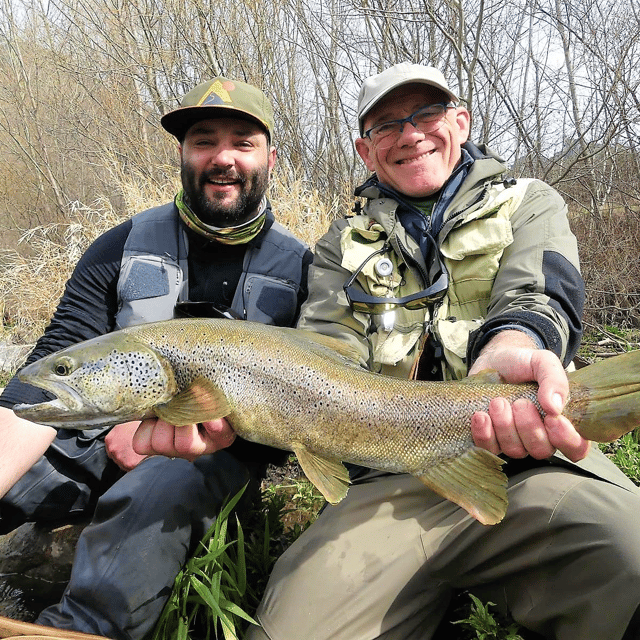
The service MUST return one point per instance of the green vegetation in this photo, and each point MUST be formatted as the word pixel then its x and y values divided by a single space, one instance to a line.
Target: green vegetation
pixel 220 587
pixel 625 453
pixel 483 625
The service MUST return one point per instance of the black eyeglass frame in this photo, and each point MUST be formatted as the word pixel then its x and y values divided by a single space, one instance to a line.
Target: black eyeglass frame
pixel 401 122
pixel 365 303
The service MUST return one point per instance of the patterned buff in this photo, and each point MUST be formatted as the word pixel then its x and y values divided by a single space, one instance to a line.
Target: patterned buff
pixel 224 235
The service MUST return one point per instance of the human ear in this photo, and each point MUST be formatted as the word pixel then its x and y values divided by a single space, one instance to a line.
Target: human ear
pixel 272 158
pixel 363 147
pixel 463 120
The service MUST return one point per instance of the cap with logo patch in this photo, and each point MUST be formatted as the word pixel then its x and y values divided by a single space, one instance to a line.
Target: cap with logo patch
pixel 377 87
pixel 219 98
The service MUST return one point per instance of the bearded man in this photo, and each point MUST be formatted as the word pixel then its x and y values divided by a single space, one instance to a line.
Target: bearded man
pixel 215 250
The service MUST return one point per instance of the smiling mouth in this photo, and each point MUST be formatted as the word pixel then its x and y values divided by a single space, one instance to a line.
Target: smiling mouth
pixel 416 158
pixel 223 183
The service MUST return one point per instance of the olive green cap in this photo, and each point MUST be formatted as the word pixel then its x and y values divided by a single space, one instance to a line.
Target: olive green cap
pixel 220 98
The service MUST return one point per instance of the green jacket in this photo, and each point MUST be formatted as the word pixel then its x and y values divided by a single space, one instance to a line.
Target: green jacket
pixel 512 261
pixel 511 257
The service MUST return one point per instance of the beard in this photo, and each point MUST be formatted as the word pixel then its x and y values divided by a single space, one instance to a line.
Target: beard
pixel 214 211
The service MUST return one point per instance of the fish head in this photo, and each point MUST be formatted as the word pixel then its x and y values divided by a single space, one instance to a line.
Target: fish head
pixel 104 381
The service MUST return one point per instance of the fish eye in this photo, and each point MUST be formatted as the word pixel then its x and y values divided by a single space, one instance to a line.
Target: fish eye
pixel 63 367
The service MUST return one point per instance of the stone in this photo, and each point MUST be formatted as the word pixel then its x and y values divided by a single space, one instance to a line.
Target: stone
pixel 35 565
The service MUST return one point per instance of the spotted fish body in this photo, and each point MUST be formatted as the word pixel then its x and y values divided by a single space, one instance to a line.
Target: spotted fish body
pixel 302 392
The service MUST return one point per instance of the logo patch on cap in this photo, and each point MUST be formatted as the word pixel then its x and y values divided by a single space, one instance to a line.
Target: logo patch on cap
pixel 218 93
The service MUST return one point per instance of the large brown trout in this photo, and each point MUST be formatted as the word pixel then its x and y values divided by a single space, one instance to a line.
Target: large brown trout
pixel 302 392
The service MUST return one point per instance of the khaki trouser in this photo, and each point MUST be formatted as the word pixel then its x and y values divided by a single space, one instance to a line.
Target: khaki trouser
pixel 565 562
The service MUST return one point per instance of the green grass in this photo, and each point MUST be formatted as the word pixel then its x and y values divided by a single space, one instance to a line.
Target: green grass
pixel 625 453
pixel 480 623
pixel 220 587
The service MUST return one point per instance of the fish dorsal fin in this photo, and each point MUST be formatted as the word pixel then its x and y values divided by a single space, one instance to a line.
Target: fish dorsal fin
pixel 327 346
pixel 473 481
pixel 200 401
pixel 486 376
pixel 329 476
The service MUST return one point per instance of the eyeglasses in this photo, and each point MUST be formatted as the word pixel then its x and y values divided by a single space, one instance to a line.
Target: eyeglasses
pixel 365 303
pixel 425 119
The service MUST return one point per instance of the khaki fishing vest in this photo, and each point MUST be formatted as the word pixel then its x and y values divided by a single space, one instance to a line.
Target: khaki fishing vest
pixel 472 250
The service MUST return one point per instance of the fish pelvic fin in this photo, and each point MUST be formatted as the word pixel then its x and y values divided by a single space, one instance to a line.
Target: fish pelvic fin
pixel 329 476
pixel 199 402
pixel 474 481
pixel 604 400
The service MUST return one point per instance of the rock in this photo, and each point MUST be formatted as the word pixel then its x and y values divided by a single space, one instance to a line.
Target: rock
pixel 35 565
pixel 12 356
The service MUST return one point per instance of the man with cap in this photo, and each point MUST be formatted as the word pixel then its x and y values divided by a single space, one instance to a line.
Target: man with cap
pixel 215 250
pixel 450 269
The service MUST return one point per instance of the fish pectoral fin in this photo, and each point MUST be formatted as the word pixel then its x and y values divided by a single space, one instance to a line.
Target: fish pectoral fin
pixel 200 401
pixel 473 481
pixel 329 476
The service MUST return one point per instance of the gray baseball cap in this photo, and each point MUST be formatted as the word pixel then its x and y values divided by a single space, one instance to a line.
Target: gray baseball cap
pixel 376 87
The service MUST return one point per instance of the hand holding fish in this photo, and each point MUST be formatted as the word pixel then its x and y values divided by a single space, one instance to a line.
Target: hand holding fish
pixel 118 444
pixel 157 437
pixel 517 429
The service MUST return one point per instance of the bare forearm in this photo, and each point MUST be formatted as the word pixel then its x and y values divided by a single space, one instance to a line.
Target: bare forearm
pixel 22 443
pixel 508 339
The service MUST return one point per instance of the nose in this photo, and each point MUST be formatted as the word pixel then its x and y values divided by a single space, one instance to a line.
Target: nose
pixel 408 133
pixel 222 156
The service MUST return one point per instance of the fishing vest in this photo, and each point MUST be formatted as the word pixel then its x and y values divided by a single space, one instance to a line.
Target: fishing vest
pixel 154 272
pixel 471 250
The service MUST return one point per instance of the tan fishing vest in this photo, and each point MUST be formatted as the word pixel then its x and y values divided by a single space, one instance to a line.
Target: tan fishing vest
pixel 472 250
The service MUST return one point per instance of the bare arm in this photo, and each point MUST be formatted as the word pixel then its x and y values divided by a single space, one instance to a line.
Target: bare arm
pixel 518 430
pixel 22 443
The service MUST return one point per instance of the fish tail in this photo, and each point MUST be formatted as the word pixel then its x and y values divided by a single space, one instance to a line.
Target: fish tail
pixel 604 399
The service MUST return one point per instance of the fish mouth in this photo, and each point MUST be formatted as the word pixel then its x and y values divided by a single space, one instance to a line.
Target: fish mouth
pixel 67 409
pixel 56 413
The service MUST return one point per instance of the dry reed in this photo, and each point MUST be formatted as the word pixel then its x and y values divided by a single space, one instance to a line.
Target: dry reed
pixel 33 274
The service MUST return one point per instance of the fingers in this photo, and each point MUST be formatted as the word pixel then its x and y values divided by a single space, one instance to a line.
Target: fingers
pixel 483 434
pixel 156 437
pixel 118 445
pixel 565 438
pixel 498 430
pixel 518 430
pixel 553 384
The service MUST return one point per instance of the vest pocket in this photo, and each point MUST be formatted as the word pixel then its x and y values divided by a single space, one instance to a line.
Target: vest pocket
pixel 269 300
pixel 143 278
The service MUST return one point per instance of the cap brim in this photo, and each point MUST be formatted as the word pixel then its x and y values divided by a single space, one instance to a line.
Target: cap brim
pixel 179 121
pixel 374 101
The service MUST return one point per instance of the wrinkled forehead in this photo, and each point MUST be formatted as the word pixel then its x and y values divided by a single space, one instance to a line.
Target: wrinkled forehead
pixel 403 101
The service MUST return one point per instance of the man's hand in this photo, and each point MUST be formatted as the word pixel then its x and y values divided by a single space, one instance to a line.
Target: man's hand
pixel 118 443
pixel 154 436
pixel 517 429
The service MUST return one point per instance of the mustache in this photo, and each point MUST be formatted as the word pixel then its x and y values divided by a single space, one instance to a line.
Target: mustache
pixel 217 174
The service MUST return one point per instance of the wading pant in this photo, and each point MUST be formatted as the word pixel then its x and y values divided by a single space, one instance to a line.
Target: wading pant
pixel 383 563
pixel 144 529
pixel 64 484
